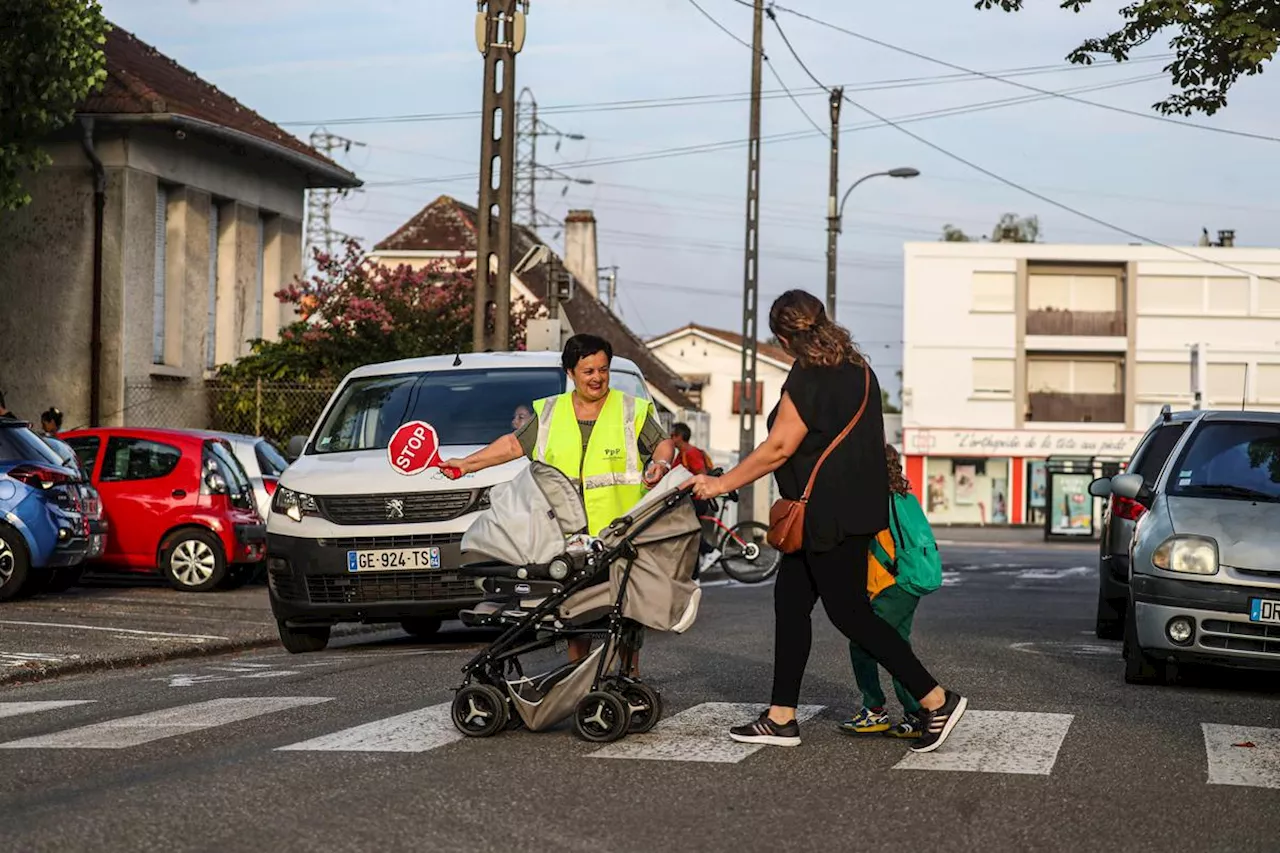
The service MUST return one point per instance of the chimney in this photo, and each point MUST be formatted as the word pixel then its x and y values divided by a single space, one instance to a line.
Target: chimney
pixel 1227 238
pixel 580 249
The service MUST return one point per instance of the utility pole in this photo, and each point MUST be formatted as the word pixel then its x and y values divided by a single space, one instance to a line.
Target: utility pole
pixel 528 170
pixel 751 269
pixel 320 202
pixel 833 210
pixel 500 28
pixel 611 292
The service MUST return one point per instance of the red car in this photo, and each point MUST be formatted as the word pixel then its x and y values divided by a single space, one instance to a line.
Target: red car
pixel 175 500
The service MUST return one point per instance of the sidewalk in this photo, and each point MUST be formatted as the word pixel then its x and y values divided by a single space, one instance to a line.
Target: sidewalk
pixel 117 624
pixel 1020 537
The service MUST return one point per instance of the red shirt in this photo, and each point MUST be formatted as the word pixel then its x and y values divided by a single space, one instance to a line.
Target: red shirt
pixel 694 460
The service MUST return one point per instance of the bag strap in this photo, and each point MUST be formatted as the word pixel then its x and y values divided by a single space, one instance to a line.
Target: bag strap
pixel 894 520
pixel 866 392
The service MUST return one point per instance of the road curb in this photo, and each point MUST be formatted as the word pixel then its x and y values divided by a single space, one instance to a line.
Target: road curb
pixel 47 672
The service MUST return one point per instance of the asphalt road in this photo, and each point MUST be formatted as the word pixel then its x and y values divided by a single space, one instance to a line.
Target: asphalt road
pixel 349 749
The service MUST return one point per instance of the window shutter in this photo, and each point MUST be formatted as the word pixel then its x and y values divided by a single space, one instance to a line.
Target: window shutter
pixel 158 294
pixel 737 398
pixel 262 267
pixel 211 322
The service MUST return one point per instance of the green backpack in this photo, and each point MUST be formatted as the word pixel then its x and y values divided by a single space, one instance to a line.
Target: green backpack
pixel 916 563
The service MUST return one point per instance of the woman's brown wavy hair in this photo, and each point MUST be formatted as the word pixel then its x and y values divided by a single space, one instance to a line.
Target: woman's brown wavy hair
pixel 800 321
pixel 898 482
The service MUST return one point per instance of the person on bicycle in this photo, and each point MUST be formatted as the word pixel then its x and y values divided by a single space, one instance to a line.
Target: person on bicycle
pixel 696 461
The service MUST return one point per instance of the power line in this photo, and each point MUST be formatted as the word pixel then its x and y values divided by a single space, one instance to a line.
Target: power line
pixel 711 147
pixel 997 78
pixel 677 101
pixel 1007 182
pixel 320 232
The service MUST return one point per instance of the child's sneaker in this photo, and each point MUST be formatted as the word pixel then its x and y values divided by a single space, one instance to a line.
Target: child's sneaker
pixel 908 727
pixel 868 721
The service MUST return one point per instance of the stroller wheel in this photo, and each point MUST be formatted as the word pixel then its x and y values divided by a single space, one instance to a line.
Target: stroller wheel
pixel 646 706
pixel 602 717
pixel 479 710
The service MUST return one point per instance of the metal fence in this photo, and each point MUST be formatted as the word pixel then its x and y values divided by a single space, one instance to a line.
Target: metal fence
pixel 275 410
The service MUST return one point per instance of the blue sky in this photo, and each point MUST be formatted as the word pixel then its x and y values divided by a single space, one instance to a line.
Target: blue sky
pixel 673 226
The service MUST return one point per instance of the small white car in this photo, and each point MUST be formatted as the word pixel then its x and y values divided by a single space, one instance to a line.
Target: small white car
pixel 262 462
pixel 350 538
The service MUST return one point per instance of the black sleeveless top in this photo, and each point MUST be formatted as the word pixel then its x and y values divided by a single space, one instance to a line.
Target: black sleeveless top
pixel 851 495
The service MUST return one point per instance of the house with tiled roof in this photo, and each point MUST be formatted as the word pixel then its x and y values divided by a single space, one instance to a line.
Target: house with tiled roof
pixel 709 360
pixel 153 245
pixel 446 229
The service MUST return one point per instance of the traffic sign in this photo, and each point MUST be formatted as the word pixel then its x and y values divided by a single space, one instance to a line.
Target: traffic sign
pixel 414 448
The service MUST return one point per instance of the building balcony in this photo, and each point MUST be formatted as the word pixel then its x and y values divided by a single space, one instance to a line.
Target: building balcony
pixel 1080 324
pixel 1059 408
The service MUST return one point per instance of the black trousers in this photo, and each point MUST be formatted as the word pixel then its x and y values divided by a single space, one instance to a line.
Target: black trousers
pixel 839 578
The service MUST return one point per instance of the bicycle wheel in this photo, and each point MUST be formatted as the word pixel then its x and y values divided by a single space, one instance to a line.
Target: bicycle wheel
pixel 745 556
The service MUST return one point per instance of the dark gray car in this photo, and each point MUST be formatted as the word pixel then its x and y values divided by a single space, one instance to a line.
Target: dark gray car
pixel 1120 518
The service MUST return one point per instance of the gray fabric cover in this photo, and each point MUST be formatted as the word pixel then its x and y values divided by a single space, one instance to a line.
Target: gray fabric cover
pixel 661 589
pixel 561 700
pixel 528 520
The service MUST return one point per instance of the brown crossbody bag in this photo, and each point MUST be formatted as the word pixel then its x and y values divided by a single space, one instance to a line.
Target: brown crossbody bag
pixel 786 517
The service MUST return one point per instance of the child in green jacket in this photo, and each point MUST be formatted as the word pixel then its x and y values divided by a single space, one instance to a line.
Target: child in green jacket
pixel 897 606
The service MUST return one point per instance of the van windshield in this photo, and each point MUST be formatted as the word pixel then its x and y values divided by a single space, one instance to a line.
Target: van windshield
pixel 464 406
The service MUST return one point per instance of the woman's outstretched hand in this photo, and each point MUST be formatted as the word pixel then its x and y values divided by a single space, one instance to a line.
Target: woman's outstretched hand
pixel 704 487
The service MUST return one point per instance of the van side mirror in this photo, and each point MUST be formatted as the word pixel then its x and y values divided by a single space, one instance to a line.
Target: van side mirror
pixel 1129 486
pixel 297 445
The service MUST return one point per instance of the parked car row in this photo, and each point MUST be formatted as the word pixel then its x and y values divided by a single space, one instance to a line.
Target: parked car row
pixel 189 504
pixel 1189 569
pixel 44 526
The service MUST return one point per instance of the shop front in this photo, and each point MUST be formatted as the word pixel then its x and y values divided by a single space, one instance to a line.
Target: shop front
pixel 1022 477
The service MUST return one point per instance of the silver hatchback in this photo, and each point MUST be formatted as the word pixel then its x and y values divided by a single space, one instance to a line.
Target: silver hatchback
pixel 1204 568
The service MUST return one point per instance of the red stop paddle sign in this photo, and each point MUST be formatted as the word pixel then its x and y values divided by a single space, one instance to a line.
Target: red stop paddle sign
pixel 414 448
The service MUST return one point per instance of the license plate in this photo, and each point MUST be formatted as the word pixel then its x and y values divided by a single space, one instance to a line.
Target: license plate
pixel 1264 610
pixel 392 559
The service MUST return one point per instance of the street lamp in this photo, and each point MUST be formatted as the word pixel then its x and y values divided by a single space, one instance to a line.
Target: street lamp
pixel 835 215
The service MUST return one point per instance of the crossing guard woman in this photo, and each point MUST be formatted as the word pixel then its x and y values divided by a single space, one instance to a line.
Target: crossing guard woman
pixel 609 443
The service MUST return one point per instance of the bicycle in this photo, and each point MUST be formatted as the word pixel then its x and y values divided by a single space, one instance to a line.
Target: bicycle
pixel 743 553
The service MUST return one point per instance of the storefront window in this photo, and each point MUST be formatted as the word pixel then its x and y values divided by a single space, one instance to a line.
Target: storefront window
pixel 1037 492
pixel 967 491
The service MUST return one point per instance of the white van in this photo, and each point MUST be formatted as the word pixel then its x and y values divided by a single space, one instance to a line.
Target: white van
pixel 341 506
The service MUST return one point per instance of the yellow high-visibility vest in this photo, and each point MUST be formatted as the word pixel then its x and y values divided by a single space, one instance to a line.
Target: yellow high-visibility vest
pixel 609 476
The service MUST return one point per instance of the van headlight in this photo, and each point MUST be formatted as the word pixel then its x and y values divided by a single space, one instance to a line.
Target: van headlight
pixel 1191 555
pixel 482 502
pixel 293 504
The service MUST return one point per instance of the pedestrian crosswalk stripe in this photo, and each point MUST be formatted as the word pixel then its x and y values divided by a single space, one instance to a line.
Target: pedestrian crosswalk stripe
pixel 14 709
pixel 156 725
pixel 1242 755
pixel 416 731
pixel 700 733
pixel 997 742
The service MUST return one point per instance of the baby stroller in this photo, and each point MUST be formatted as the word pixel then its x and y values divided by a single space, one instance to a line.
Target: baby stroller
pixel 547 581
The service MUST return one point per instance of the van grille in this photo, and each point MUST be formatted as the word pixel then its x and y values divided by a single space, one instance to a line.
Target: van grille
pixel 415 540
pixel 379 587
pixel 396 508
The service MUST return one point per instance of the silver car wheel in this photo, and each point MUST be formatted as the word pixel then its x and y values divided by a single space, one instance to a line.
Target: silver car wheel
pixel 192 562
pixel 7 561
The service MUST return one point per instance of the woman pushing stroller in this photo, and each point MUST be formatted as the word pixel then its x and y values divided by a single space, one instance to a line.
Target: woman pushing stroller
pixel 609 443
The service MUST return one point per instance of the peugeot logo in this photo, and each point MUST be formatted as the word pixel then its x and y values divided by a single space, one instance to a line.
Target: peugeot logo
pixel 395 508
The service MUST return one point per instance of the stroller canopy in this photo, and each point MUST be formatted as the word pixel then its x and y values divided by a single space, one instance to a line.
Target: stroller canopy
pixel 529 518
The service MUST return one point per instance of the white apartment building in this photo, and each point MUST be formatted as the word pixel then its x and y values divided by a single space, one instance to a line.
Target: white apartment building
pixel 1026 358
